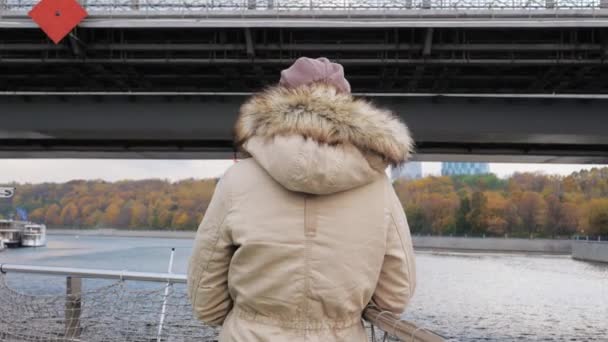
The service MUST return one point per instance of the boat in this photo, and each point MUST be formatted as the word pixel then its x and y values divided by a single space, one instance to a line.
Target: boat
pixel 34 235
pixel 22 233
pixel 10 234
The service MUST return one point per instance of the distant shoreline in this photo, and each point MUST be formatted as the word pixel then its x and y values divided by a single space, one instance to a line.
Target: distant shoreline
pixel 421 243
pixel 170 234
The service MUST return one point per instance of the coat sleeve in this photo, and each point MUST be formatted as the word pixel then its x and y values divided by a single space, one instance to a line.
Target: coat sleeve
pixel 210 260
pixel 397 279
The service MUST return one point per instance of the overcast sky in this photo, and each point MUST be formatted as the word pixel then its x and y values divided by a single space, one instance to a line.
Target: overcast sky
pixel 62 170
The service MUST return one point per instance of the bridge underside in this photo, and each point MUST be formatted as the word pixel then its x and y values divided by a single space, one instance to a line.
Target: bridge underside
pixel 377 59
pixel 200 126
pixel 404 56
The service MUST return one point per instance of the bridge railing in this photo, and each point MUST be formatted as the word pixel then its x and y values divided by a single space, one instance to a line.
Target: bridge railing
pixel 314 5
pixel 130 306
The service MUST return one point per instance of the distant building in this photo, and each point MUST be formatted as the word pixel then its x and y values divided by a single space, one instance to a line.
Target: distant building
pixel 454 169
pixel 411 170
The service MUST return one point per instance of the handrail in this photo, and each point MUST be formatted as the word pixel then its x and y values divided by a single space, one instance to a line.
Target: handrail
pixel 395 326
pixel 388 322
pixel 94 273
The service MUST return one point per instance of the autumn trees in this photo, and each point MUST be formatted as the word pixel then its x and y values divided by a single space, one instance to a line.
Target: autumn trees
pixel 147 204
pixel 526 204
pixel 598 216
pixel 523 205
pixel 431 203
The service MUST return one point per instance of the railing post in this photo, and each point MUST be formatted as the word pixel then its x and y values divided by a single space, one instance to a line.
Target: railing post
pixel 73 307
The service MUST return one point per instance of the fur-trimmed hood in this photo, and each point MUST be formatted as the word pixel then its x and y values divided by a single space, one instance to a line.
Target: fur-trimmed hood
pixel 329 131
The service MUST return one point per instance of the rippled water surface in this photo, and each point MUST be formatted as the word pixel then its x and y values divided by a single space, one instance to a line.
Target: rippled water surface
pixel 467 297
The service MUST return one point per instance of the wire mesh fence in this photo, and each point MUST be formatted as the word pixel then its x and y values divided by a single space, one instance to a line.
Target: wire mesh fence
pixel 114 312
pixel 133 311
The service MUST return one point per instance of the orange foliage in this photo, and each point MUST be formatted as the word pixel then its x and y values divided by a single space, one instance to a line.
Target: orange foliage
pixel 522 205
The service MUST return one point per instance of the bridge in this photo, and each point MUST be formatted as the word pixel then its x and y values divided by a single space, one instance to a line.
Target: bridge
pixel 475 79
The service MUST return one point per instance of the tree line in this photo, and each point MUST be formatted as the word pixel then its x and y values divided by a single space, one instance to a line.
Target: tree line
pixel 145 204
pixel 525 204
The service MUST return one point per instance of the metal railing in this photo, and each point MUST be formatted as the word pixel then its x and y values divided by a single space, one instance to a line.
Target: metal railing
pixel 95 273
pixel 382 325
pixel 314 5
pixel 592 238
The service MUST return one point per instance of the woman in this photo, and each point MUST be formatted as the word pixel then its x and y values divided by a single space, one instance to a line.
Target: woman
pixel 302 236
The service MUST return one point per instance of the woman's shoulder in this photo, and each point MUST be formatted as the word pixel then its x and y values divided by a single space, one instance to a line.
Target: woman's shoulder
pixel 242 168
pixel 243 174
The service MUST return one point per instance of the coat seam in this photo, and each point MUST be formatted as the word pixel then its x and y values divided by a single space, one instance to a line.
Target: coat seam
pixel 308 252
pixel 203 270
pixel 310 229
pixel 406 256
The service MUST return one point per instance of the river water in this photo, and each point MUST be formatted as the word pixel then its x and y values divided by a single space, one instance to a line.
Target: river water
pixel 463 296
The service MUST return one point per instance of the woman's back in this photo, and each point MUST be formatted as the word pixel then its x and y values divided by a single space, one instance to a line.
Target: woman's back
pixel 301 237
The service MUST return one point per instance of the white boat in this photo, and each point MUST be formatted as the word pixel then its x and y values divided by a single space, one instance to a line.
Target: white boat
pixel 22 233
pixel 10 233
pixel 34 235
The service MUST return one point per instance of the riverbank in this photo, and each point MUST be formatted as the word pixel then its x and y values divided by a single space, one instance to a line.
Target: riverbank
pixel 439 243
pixel 168 234
pixel 590 250
pixel 508 245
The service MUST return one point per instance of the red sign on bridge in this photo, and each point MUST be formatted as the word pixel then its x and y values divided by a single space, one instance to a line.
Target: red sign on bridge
pixel 57 17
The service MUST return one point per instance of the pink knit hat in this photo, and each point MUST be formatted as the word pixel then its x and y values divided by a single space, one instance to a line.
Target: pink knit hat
pixel 307 70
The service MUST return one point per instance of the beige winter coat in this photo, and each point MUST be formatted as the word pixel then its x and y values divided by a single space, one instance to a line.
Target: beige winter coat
pixel 301 237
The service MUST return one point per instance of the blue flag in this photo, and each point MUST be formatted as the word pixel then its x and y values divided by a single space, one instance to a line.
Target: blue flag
pixel 22 213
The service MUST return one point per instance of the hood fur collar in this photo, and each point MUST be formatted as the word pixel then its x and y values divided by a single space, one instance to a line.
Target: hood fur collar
pixel 321 113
